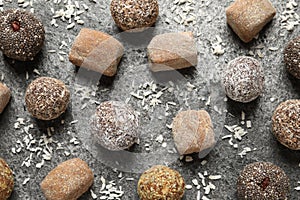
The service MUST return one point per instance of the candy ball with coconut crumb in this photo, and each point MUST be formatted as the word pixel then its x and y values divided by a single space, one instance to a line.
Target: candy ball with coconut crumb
pixel 6 180
pixel 115 125
pixel 292 57
pixel 161 182
pixel 243 79
pixel 134 14
pixel 263 181
pixel 285 124
pixel 47 98
pixel 22 34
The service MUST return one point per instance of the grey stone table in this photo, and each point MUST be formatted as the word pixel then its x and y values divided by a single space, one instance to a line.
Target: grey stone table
pixel 65 137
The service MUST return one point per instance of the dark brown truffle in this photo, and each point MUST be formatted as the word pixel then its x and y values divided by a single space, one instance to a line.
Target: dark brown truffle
pixel 132 14
pixel 243 79
pixel 6 180
pixel 285 124
pixel 115 125
pixel 21 34
pixel 161 182
pixel 292 57
pixel 47 98
pixel 263 181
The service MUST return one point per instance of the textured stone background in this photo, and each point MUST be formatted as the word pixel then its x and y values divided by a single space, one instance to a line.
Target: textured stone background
pixel 222 160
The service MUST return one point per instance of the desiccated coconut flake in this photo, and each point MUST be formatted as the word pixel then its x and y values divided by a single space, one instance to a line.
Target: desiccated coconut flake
pixel 195 182
pixel 297 188
pixel 188 159
pixel 214 177
pixel 94 196
pixel 188 187
pixel 25 181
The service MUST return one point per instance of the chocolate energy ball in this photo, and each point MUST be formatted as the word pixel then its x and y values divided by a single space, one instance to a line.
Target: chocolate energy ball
pixel 47 98
pixel 161 182
pixel 263 181
pixel 292 57
pixel 6 180
pixel 132 14
pixel 115 125
pixel 243 79
pixel 21 34
pixel 285 124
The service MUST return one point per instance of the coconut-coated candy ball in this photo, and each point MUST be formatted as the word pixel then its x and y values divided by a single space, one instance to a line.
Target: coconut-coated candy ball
pixel 161 183
pixel 47 98
pixel 285 124
pixel 6 180
pixel 243 79
pixel 22 34
pixel 133 14
pixel 115 125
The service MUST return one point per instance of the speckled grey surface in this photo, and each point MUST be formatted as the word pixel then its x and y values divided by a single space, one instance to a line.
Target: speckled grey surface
pixel 223 160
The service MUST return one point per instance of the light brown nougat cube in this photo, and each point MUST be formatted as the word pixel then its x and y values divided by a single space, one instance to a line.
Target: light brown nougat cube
pixel 68 181
pixel 97 51
pixel 193 132
pixel 171 51
pixel 248 17
pixel 4 96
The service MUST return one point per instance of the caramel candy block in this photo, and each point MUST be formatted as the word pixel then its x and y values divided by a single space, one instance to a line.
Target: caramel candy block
pixel 68 181
pixel 97 51
pixel 248 17
pixel 171 51
pixel 193 132
pixel 4 96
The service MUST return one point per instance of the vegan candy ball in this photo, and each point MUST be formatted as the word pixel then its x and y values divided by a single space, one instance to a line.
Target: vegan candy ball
pixel 243 79
pixel 47 98
pixel 115 125
pixel 22 34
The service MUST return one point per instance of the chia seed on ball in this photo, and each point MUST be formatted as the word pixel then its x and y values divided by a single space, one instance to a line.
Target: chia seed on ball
pixel 6 180
pixel 132 14
pixel 161 182
pixel 263 181
pixel 292 57
pixel 21 34
pixel 285 124
pixel 47 98
pixel 115 125
pixel 243 79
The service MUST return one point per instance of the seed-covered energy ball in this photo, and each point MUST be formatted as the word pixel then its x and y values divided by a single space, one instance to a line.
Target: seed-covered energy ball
pixel 243 79
pixel 285 124
pixel 47 98
pixel 21 34
pixel 292 57
pixel 115 125
pixel 133 14
pixel 263 181
pixel 6 180
pixel 161 182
